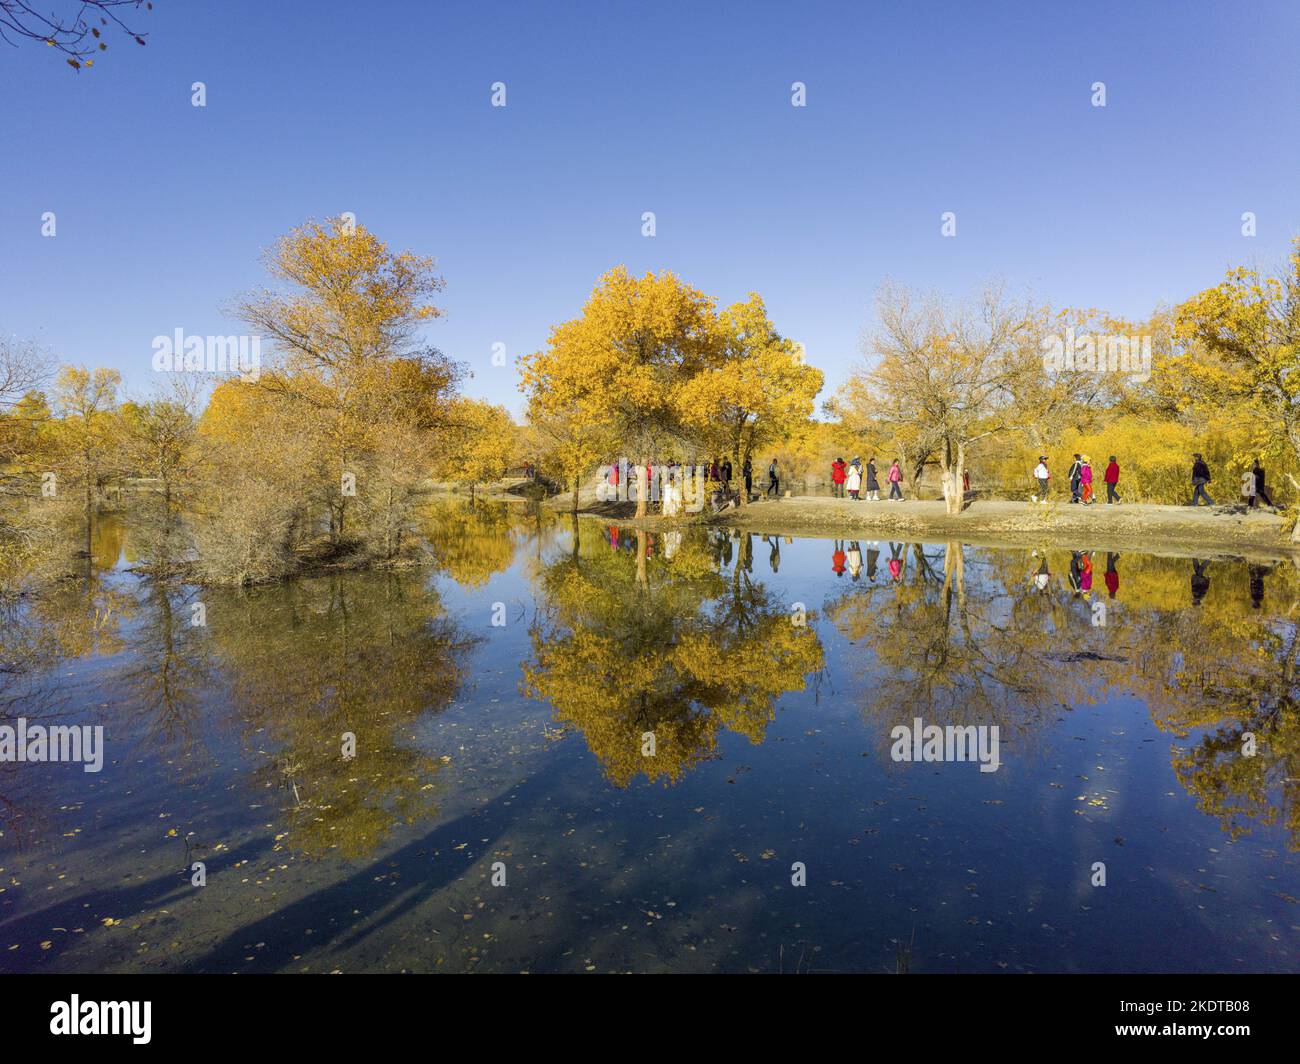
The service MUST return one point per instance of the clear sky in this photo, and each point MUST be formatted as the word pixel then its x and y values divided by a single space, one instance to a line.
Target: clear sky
pixel 613 109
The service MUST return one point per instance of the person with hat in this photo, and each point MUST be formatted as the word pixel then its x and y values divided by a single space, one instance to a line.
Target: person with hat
pixel 1042 476
pixel 1085 480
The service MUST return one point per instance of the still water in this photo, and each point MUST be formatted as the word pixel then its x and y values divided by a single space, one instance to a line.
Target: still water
pixel 501 699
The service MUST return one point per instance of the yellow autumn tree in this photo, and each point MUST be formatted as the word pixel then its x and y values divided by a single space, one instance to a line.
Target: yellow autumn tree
pixel 85 435
pixel 344 323
pixel 264 484
pixel 944 377
pixel 754 390
pixel 479 443
pixel 620 364
pixel 1243 352
pixel 566 442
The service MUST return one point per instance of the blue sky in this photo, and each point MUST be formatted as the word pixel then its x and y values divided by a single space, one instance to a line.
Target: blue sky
pixel 383 108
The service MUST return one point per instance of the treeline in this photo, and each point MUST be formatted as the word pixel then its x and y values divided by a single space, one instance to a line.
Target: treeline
pixel 988 385
pixel 319 457
pixel 654 370
pixel 322 455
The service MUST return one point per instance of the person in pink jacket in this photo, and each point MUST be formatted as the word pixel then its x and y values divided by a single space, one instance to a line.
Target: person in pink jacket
pixel 1085 481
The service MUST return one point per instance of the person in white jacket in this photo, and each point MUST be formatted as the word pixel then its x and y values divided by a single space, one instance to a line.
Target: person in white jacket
pixel 671 497
pixel 1042 476
pixel 854 479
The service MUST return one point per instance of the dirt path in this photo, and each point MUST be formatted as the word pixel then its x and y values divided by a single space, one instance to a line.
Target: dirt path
pixel 1200 531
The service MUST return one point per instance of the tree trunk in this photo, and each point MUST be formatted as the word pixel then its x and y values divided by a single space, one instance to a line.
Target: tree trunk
pixel 642 489
pixel 90 512
pixel 575 500
pixel 954 573
pixel 738 448
pixel 954 498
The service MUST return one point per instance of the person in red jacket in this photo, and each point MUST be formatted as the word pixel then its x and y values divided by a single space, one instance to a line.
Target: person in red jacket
pixel 837 478
pixel 1112 478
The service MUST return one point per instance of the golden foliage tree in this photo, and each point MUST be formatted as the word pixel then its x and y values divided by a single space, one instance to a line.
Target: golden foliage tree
pixel 754 389
pixel 619 365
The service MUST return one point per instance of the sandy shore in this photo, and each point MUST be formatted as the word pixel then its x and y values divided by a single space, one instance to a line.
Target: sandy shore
pixel 1165 529
pixel 1180 530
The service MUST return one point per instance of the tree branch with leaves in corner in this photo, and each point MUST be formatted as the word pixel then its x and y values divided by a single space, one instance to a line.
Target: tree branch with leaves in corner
pixel 78 32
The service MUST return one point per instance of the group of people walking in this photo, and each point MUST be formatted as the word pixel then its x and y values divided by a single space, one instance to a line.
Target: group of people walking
pixel 863 483
pixel 1253 487
pixel 1080 476
pixel 720 475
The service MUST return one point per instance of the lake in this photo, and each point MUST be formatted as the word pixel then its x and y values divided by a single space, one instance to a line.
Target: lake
pixel 583 749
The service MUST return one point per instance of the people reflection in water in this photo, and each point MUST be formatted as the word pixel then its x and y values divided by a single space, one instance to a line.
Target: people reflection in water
pixel 1085 573
pixel 873 559
pixel 837 558
pixel 896 561
pixel 746 559
pixel 1076 572
pixel 1256 574
pixel 1043 575
pixel 1200 580
pixel 613 536
pixel 774 553
pixel 1112 574
pixel 727 552
pixel 855 561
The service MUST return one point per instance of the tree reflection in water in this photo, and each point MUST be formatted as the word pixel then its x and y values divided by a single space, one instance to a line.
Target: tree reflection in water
pixel 1025 635
pixel 660 644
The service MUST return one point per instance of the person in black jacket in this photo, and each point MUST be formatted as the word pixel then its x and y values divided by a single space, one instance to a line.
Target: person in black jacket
pixel 747 469
pixel 1075 475
pixel 1200 477
pixel 872 487
pixel 1260 493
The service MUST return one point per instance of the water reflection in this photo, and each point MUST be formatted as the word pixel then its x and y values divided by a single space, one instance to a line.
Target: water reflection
pixel 655 654
pixel 961 642
pixel 296 670
pixel 651 656
pixel 318 661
